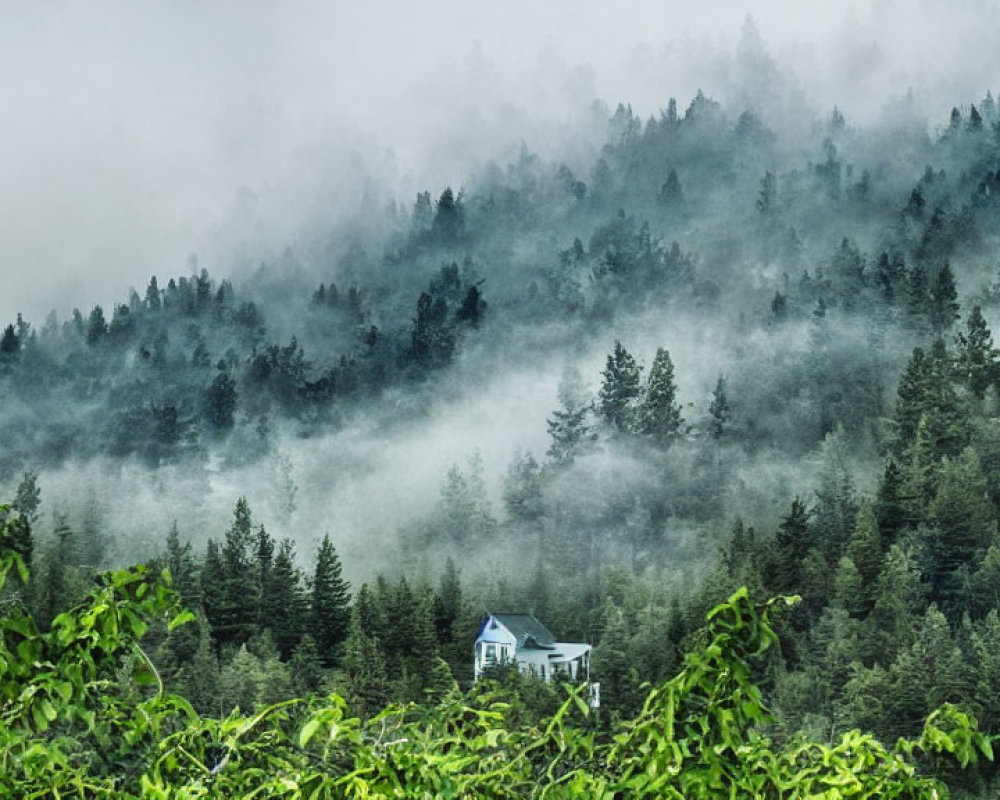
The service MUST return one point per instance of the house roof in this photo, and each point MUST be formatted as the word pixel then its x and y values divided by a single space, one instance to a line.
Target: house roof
pixel 527 630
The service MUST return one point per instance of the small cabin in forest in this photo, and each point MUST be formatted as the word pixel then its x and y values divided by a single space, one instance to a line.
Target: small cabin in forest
pixel 522 640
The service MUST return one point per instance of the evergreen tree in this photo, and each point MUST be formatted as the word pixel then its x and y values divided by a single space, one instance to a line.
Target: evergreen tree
pixel 200 677
pixel 9 343
pixel 368 681
pixel 306 668
pixel 522 489
pixel 791 546
pixel 620 389
pixel 966 526
pixel 221 401
pixel 900 597
pixel 97 327
pixel 179 561
pixel 329 603
pixel 943 300
pixel 237 613
pixel 836 501
pixel 56 588
pixel 977 359
pixel 659 416
pixel 263 566
pixel 153 302
pixel 284 607
pixel 212 583
pixel 719 409
pixel 671 193
pixel 865 552
pixel 27 497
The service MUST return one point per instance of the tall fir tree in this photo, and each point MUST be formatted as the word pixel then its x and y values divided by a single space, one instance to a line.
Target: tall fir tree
pixel 620 389
pixel 659 416
pixel 284 605
pixel 719 409
pixel 977 359
pixel 329 603
pixel 943 300
pixel 237 613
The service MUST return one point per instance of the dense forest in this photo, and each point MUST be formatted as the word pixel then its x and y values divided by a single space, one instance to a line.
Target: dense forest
pixel 775 371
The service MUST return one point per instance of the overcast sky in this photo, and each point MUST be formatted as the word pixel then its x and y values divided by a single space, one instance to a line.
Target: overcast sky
pixel 135 134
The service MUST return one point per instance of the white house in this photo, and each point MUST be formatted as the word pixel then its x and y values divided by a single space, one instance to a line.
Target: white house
pixel 522 640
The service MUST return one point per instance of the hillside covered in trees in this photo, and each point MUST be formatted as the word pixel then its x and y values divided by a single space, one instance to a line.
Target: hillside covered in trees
pixel 768 362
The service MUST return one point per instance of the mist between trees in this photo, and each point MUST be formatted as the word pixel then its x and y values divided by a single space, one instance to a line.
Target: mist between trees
pixel 721 355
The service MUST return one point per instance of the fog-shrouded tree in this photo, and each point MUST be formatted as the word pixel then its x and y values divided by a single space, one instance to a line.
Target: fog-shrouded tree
pixel 620 389
pixel 719 409
pixel 977 358
pixel 659 416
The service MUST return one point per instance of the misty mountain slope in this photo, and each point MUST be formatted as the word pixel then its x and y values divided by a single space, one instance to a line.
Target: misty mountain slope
pixel 802 270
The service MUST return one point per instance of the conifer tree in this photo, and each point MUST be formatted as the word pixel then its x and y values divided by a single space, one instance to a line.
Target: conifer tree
pixel 943 300
pixel 237 613
pixel 522 489
pixel 27 497
pixel 448 609
pixel 329 603
pixel 965 520
pixel 179 561
pixel 212 584
pixel 977 359
pixel 791 546
pixel 659 416
pixel 284 605
pixel 263 566
pixel 306 668
pixel 620 389
pixel 199 678
pixel 719 409
pixel 865 552
pixel 364 664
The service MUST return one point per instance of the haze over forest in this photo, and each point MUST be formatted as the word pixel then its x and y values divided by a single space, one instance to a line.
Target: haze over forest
pixel 600 320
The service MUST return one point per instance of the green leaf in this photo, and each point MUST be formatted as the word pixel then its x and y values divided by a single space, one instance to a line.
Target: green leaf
pixel 182 618
pixel 308 731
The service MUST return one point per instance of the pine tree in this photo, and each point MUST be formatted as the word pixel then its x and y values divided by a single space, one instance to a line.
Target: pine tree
pixel 522 489
pixel 977 359
pixel 719 409
pixel 56 586
pixel 329 603
pixel 865 552
pixel 97 327
pixel 943 300
pixel 183 571
pixel 27 497
pixel 220 402
pixel 364 663
pixel 900 596
pixel 200 677
pixel 791 546
pixel 966 522
pixel 284 605
pixel 306 668
pixel 448 613
pixel 659 416
pixel 237 612
pixel 263 566
pixel 212 584
pixel 620 389
pixel 10 345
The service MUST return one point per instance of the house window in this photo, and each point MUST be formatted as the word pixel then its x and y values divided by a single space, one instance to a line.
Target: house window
pixel 491 654
pixel 543 671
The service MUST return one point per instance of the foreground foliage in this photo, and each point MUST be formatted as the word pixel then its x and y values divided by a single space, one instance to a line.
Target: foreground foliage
pixel 85 715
